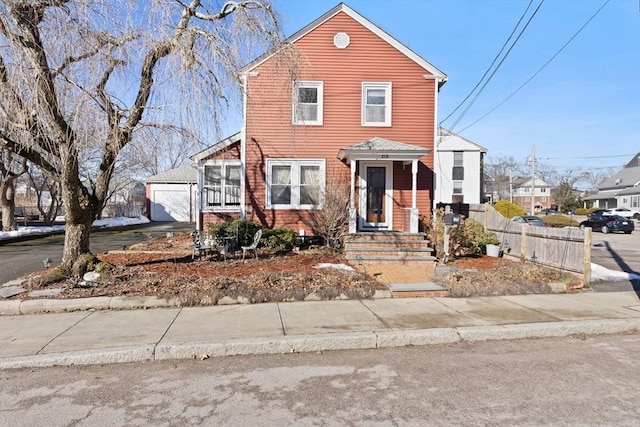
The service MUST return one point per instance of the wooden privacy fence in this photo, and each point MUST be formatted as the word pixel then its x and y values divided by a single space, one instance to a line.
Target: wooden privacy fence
pixel 564 248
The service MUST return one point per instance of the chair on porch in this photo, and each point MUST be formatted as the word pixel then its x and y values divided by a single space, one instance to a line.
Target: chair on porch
pixel 254 246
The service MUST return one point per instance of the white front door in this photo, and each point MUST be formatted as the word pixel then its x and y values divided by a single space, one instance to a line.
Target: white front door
pixel 376 196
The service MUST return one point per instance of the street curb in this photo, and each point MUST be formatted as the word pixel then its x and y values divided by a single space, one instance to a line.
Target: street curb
pixel 324 342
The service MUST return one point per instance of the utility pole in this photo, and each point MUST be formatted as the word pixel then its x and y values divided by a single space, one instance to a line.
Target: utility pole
pixel 533 179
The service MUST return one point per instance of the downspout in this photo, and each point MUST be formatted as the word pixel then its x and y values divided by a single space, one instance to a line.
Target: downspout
pixel 243 148
pixel 436 155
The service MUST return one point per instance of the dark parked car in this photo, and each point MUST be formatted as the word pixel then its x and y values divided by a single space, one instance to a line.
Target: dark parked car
pixel 551 211
pixel 598 212
pixel 609 223
pixel 530 220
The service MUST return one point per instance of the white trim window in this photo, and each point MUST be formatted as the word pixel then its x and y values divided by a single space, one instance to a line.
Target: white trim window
pixel 221 189
pixel 307 103
pixel 457 187
pixel 295 184
pixel 376 104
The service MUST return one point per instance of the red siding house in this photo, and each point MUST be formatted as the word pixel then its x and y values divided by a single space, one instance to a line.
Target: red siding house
pixel 359 111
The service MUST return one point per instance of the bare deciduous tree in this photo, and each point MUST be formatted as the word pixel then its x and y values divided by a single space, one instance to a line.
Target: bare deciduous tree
pixel 331 220
pixel 12 167
pixel 80 79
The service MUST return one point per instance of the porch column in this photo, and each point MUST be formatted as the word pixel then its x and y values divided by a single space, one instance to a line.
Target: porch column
pixel 352 199
pixel 413 222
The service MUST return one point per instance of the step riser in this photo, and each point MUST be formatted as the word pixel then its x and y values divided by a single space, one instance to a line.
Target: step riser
pixel 393 252
pixel 420 294
pixel 368 238
pixel 381 244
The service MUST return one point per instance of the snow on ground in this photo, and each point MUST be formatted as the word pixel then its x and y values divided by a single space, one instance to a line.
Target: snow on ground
pixel 598 272
pixel 107 222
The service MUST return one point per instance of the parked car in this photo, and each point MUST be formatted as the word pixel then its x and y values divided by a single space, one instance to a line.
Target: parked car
pixel 598 212
pixel 551 211
pixel 609 223
pixel 530 220
pixel 625 212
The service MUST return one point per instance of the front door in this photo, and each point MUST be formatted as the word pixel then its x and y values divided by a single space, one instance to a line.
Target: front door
pixel 375 196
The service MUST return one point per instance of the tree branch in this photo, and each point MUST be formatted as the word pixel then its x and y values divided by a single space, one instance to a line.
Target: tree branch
pixel 28 153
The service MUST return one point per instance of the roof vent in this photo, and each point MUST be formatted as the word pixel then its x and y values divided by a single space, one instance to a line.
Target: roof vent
pixel 341 40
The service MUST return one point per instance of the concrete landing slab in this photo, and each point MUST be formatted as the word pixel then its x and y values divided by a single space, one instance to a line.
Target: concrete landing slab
pixel 321 317
pixel 10 291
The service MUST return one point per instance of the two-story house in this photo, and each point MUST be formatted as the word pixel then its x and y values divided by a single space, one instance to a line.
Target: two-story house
pixel 622 190
pixel 522 192
pixel 458 165
pixel 358 110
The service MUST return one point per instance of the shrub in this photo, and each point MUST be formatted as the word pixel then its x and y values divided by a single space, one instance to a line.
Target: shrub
pixel 280 238
pixel 508 209
pixel 582 211
pixel 467 238
pixel 241 229
pixel 560 221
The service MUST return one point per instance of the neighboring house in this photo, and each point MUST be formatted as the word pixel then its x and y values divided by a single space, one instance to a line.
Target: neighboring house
pixel 172 195
pixel 522 191
pixel 622 190
pixel 458 165
pixel 360 114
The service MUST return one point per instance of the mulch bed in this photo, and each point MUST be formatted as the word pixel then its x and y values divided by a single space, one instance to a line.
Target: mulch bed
pixel 163 267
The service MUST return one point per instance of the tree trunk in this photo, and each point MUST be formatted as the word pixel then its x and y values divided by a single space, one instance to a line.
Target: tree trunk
pixel 7 205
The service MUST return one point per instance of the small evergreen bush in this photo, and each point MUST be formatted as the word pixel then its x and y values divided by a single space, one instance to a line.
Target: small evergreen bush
pixel 508 209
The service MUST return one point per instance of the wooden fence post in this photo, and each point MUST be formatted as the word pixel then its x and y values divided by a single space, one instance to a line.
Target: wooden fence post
pixel 587 256
pixel 523 243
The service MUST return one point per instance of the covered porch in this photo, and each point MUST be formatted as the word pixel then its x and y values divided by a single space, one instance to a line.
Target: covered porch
pixel 371 200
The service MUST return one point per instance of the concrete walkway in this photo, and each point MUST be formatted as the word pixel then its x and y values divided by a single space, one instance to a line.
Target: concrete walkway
pixel 106 336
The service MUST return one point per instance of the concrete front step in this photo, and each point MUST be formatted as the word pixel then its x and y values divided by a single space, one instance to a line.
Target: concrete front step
pixel 387 243
pixel 416 290
pixel 385 235
pixel 351 253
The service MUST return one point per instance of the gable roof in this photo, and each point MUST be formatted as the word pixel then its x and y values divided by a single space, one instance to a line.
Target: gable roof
pixel 525 182
pixel 217 147
pixel 626 177
pixel 634 162
pixel 450 141
pixel 341 7
pixel 186 174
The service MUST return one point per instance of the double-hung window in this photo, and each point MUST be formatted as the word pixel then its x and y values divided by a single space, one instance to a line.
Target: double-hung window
pixel 307 103
pixel 295 184
pixel 376 104
pixel 458 166
pixel 221 185
pixel 457 187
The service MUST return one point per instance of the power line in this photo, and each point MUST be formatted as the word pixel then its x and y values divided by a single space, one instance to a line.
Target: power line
pixel 497 67
pixel 492 63
pixel 540 69
pixel 590 157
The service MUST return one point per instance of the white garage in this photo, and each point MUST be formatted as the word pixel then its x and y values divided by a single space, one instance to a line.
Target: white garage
pixel 172 195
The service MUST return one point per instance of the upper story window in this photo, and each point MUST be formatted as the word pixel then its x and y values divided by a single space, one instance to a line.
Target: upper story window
pixel 376 104
pixel 295 184
pixel 457 187
pixel 458 166
pixel 307 103
pixel 221 185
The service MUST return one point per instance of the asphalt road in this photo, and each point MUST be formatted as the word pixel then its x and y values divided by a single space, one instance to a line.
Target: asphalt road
pixel 20 258
pixel 568 381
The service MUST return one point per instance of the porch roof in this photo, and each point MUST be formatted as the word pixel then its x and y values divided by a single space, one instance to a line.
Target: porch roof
pixel 382 149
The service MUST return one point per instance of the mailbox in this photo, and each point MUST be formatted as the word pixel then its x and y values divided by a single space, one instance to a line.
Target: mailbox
pixel 451 219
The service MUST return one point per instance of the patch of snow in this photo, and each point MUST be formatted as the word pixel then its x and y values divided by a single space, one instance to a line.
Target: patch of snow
pixel 106 222
pixel 343 267
pixel 599 272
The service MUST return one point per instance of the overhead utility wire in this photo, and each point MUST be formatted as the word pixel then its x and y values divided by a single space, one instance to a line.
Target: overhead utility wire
pixel 490 66
pixel 540 69
pixel 497 67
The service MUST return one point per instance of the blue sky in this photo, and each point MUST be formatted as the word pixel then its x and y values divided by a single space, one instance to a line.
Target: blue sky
pixel 585 103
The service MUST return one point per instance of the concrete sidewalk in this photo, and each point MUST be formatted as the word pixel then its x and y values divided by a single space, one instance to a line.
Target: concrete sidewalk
pixel 107 336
